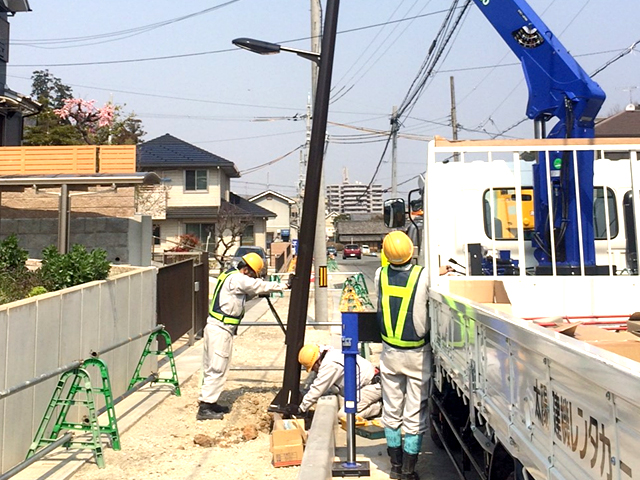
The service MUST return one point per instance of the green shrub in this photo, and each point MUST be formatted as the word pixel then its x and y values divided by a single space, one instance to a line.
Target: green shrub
pixel 16 284
pixel 12 257
pixel 39 290
pixel 74 268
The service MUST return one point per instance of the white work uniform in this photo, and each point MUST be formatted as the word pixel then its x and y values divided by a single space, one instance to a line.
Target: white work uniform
pixel 406 372
pixel 331 374
pixel 218 337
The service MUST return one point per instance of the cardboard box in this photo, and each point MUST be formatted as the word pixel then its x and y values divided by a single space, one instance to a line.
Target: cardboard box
pixel 488 292
pixel 287 441
pixel 623 343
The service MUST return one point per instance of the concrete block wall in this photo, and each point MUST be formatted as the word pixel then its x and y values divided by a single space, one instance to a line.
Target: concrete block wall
pixel 126 240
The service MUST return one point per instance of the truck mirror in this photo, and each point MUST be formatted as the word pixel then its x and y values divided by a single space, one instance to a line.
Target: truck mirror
pixel 394 213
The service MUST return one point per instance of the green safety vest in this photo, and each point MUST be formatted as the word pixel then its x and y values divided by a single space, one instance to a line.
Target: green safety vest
pixel 397 291
pixel 214 309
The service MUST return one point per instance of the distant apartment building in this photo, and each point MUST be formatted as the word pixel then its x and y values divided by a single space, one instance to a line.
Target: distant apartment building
pixel 354 198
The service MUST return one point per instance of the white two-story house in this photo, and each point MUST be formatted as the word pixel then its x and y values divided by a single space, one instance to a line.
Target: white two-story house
pixel 284 225
pixel 195 196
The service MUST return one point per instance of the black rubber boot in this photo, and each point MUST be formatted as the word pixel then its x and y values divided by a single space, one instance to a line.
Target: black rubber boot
pixel 409 467
pixel 205 412
pixel 216 407
pixel 395 454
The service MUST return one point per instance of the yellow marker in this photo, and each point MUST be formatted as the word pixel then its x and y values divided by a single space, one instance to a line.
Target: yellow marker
pixel 323 279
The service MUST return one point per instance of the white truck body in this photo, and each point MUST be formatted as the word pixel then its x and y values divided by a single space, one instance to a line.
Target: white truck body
pixel 564 408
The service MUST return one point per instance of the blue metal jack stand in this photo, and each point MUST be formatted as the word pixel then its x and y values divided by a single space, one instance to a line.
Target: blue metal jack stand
pixel 350 468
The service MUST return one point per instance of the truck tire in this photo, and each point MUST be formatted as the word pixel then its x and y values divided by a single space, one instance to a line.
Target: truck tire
pixel 502 465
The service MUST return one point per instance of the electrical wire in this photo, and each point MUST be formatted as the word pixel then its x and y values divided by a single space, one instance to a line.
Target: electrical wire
pixel 389 45
pixel 212 52
pixel 626 51
pixel 271 162
pixel 121 34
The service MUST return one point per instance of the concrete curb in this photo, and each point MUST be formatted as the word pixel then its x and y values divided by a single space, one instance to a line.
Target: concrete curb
pixel 320 450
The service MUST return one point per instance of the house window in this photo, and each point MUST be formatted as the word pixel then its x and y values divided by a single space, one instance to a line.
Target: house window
pixel 247 236
pixel 205 233
pixel 156 234
pixel 195 180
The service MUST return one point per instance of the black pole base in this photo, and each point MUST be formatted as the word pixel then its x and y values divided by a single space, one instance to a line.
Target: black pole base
pixel 356 469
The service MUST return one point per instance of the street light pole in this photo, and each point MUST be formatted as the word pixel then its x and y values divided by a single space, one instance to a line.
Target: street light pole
pixel 297 316
pixel 289 395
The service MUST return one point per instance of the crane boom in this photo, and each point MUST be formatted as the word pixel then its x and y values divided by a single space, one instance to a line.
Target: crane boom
pixel 558 88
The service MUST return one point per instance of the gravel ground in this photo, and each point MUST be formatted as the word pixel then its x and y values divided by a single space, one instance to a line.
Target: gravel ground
pixel 169 443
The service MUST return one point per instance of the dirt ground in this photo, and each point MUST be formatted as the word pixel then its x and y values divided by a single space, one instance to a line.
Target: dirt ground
pixel 170 444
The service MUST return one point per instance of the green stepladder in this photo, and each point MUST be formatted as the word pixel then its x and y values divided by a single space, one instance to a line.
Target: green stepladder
pixel 80 383
pixel 168 352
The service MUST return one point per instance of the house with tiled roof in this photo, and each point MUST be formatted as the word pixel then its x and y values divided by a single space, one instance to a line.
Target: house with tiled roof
pixel 195 195
pixel 282 226
pixel 625 124
pixel 362 229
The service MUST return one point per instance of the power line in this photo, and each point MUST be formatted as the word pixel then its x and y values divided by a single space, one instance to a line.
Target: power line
pixel 270 162
pixel 213 52
pixel 121 34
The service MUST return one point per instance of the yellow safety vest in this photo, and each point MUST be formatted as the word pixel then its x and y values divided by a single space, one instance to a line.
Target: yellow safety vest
pixel 395 307
pixel 214 309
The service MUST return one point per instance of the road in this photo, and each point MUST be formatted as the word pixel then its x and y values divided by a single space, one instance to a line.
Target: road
pixel 434 463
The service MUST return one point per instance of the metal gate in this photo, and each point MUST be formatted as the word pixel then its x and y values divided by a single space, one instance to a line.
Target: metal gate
pixel 183 291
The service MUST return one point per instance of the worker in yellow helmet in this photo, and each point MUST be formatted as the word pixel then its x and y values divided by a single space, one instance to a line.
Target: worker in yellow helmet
pixel 405 361
pixel 328 363
pixel 232 289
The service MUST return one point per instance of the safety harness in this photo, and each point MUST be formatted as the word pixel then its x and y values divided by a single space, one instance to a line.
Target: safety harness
pixel 395 303
pixel 215 310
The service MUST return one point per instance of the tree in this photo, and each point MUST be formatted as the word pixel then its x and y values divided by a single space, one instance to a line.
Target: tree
pixel 228 229
pixel 49 90
pixel 65 120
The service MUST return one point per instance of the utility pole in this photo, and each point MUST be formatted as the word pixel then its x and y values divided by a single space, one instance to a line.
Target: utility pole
pixel 394 152
pixel 320 241
pixel 454 118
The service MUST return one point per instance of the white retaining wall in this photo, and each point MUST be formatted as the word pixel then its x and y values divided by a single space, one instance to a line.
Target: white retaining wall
pixel 41 334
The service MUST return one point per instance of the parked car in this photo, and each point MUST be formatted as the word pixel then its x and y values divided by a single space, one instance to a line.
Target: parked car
pixel 365 249
pixel 332 251
pixel 241 251
pixel 351 250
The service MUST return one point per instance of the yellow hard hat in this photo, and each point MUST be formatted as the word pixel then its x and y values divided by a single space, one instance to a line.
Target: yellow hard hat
pixel 308 356
pixel 397 247
pixel 254 261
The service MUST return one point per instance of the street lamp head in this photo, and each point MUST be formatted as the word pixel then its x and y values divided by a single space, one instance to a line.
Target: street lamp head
pixel 257 46
pixel 268 48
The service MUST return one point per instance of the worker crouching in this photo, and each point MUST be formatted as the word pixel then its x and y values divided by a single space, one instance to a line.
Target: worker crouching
pixel 405 361
pixel 328 363
pixel 233 289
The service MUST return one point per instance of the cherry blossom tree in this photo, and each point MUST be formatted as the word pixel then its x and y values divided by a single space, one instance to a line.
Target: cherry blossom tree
pixel 86 117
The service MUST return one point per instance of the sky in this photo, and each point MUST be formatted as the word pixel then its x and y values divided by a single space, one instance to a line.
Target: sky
pixel 184 77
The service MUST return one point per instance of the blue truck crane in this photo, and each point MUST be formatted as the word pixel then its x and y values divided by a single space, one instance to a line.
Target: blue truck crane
pixel 558 88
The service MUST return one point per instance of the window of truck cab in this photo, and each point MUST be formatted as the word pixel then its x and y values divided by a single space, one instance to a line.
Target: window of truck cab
pixel 195 180
pixel 505 219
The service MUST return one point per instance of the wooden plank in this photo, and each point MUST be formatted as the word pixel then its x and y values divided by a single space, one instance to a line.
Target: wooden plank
pixel 117 159
pixel 67 159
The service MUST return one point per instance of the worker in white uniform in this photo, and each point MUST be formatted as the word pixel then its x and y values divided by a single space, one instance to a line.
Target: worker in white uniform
pixel 405 361
pixel 232 289
pixel 328 363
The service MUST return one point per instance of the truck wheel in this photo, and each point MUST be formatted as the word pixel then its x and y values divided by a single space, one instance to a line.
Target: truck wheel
pixel 502 465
